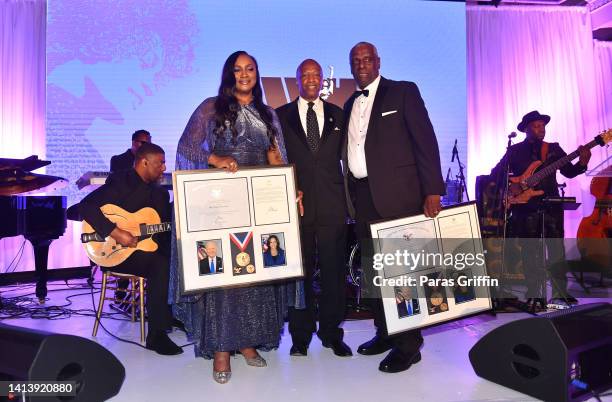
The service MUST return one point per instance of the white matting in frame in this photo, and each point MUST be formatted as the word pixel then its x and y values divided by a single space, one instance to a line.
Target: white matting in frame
pixel 221 219
pixel 409 303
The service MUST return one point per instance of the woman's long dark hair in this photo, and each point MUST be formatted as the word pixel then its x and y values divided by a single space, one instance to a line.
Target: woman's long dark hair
pixel 226 105
pixel 278 245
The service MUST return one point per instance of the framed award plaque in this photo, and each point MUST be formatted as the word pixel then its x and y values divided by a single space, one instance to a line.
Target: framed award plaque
pixel 237 228
pixel 430 270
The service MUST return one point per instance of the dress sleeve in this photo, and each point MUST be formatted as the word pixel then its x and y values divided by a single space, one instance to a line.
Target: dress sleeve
pixel 196 142
pixel 279 137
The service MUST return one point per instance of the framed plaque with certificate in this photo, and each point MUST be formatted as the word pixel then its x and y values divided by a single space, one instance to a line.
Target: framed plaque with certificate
pixel 237 228
pixel 430 270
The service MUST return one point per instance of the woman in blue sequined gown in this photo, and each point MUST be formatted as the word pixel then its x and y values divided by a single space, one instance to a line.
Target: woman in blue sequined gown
pixel 231 130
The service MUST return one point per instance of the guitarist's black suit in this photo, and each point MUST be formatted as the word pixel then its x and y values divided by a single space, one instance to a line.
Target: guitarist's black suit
pixel 127 190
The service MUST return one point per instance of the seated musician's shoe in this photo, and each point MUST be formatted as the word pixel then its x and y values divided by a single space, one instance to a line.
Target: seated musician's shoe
pixel 396 361
pixel 160 343
pixel 374 346
pixel 298 350
pixel 339 348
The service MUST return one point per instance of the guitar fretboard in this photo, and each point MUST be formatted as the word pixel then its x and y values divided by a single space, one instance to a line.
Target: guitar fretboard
pixel 552 168
pixel 155 228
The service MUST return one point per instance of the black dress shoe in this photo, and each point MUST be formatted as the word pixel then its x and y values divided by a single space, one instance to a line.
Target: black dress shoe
pixel 339 348
pixel 298 350
pixel 374 346
pixel 160 343
pixel 396 361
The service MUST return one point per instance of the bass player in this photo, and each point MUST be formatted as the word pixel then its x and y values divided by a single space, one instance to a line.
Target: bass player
pixel 526 217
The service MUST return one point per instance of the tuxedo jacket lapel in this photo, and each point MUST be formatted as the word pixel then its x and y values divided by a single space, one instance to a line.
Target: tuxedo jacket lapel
pixel 376 108
pixel 328 122
pixel 294 121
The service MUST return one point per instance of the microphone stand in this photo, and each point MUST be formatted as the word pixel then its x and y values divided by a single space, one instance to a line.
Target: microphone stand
pixel 503 294
pixel 460 176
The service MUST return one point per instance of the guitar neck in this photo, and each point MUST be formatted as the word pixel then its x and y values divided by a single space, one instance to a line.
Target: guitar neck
pixel 552 168
pixel 146 230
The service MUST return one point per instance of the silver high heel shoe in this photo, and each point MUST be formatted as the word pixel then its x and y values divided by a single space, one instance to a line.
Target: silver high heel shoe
pixel 256 361
pixel 222 377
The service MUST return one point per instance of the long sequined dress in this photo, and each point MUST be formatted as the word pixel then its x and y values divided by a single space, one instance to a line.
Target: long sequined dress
pixel 230 319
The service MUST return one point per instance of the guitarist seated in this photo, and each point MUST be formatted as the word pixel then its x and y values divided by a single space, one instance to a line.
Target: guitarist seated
pixel 526 218
pixel 133 190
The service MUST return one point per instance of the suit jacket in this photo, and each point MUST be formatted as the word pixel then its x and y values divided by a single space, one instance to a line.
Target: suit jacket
pixel 127 190
pixel 319 175
pixel 205 266
pixel 124 161
pixel 401 150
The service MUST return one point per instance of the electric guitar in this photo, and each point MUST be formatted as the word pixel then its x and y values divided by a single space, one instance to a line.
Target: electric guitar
pixel 142 224
pixel 521 188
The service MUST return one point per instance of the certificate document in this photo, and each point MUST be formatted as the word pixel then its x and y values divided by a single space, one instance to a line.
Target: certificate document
pixel 270 199
pixel 217 204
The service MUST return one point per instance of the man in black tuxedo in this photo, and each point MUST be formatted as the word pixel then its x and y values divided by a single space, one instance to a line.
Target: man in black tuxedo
pixel 125 161
pixel 392 169
pixel 133 190
pixel 313 136
pixel 212 263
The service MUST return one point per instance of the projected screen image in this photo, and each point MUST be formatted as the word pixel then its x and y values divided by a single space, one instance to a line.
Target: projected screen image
pixel 116 67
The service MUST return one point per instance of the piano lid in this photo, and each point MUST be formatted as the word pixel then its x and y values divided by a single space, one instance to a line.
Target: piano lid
pixel 15 176
pixel 28 164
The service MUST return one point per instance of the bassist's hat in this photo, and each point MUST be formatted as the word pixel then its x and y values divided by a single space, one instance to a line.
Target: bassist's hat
pixel 532 116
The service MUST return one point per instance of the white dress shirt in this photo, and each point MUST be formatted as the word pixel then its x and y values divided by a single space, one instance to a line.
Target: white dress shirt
pixel 318 109
pixel 357 130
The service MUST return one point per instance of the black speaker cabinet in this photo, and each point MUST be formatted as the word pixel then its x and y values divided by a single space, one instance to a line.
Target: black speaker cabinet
pixel 31 355
pixel 553 357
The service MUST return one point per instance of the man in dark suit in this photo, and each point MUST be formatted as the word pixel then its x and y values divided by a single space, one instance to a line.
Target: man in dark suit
pixel 313 136
pixel 212 263
pixel 526 219
pixel 125 161
pixel 392 169
pixel 133 190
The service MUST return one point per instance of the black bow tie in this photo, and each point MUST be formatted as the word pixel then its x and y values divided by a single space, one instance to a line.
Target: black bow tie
pixel 365 93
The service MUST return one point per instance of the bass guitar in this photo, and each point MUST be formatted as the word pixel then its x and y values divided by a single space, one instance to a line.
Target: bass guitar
pixel 521 189
pixel 142 224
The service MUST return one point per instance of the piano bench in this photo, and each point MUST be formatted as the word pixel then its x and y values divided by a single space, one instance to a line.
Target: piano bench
pixel 109 282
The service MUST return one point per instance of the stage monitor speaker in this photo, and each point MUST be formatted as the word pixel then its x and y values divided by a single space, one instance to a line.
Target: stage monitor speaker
pixel 559 356
pixel 31 355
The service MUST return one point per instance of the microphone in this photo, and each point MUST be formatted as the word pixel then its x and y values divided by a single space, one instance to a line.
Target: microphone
pixel 512 134
pixel 448 174
pixel 454 151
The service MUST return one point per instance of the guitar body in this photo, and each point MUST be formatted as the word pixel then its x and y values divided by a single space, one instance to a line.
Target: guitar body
pixel 109 253
pixel 521 188
pixel 519 192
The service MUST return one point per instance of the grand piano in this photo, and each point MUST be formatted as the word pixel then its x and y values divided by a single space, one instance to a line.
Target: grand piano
pixel 39 218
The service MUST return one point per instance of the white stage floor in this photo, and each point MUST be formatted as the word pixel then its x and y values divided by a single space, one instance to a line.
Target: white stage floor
pixel 444 374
